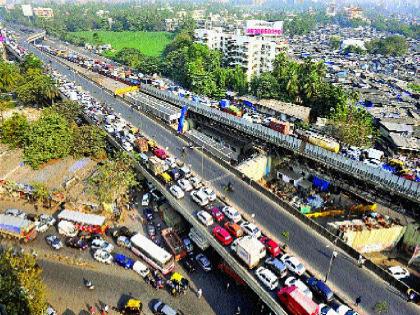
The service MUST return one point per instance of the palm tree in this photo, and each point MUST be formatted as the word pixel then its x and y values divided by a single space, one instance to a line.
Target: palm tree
pixel 40 192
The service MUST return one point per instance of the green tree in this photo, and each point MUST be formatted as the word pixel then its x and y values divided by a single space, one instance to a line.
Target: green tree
pixel 9 77
pixel 335 42
pixel 13 131
pixel 381 307
pixel 70 110
pixel 392 45
pixel 48 138
pixel 131 57
pixel 265 86
pixel 41 193
pixel 353 125
pixel 21 288
pixel 354 49
pixel 89 141
pixel 5 104
pixel 237 80
pixel 183 39
pixel 31 62
pixel 40 90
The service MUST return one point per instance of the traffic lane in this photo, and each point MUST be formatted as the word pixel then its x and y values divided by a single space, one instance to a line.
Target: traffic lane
pixel 253 202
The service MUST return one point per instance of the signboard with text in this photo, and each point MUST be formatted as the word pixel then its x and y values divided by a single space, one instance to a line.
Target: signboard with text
pixel 256 27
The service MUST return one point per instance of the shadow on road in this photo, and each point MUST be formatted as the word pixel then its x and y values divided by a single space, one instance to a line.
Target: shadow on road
pixel 69 312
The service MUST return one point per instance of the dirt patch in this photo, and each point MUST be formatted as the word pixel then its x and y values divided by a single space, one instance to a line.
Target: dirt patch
pixel 31 114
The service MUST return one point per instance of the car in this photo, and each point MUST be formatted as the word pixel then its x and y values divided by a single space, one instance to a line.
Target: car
pixel 196 182
pixel 276 266
pixel 205 218
pixel 148 214
pixel 251 229
pixel 200 197
pixel 267 278
pixel 160 308
pixel 103 256
pixel 185 184
pixel 234 229
pixel 324 309
pixel 217 214
pixel 176 191
pixel 15 213
pixel 373 163
pixel 232 214
pixel 189 264
pixel 211 195
pixel 272 247
pixel 102 244
pixel 171 162
pixel 222 235
pixel 203 262
pixel 342 309
pixel 151 230
pixel 293 264
pixel 145 200
pixel 320 288
pixel 188 245
pixel 76 242
pixel 127 146
pixel 123 261
pixel 54 241
pixel 50 311
pixel 123 241
pixel 141 269
pixel 109 128
pixel 47 219
pixel 292 281
pixel 399 272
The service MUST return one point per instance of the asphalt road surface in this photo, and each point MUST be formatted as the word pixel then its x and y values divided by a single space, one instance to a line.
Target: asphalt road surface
pixel 345 278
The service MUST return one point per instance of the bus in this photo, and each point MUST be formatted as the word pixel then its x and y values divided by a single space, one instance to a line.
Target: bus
pixel 153 254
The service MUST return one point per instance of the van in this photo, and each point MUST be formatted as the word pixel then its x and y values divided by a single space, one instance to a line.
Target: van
pixel 166 178
pixel 276 266
pixel 141 269
pixel 174 174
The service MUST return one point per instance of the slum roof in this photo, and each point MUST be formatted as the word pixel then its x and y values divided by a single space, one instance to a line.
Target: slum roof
pixel 396 127
pixel 290 109
pixel 406 143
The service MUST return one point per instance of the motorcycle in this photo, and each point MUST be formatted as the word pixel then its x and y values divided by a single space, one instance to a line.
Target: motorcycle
pixel 89 285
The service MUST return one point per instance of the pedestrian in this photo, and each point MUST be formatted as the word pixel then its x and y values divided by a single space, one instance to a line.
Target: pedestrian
pixel 227 286
pixel 199 293
pixel 358 300
pixel 106 308
pixel 238 311
pixel 411 295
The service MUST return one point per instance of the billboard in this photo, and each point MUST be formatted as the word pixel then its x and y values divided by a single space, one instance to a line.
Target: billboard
pixel 257 27
pixel 27 10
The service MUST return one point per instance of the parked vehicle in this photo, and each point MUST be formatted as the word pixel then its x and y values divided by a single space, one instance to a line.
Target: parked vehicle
pixel 205 218
pixel 185 184
pixel 295 302
pixel 124 241
pixel 160 308
pixel 267 277
pixel 342 309
pixel 326 310
pixel 77 243
pixel 199 197
pixel 141 269
pixel 15 213
pixel 232 214
pixel 54 241
pixel 165 177
pixel 123 261
pixel 234 229
pixel 320 288
pixel 188 245
pixel 292 281
pixel 174 243
pixel 17 227
pixel 141 144
pixel 67 228
pixel 217 214
pixel 276 266
pixel 189 264
pixel 204 262
pixel 174 173
pixel 145 200
pixel 293 264
pixel 272 247
pixel 251 229
pixel 198 239
pixel 131 307
pixel 148 214
pixel 102 244
pixel 196 182
pixel 156 166
pixel 222 235
pixel 176 191
pixel 249 250
pixel 211 195
pixel 160 153
pixel 103 256
pixel 399 272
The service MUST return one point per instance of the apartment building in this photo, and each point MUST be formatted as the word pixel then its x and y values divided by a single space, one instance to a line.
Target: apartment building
pixel 43 12
pixel 254 53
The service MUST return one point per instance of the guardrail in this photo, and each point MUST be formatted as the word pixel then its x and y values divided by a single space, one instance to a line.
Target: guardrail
pixel 35 37
pixel 378 177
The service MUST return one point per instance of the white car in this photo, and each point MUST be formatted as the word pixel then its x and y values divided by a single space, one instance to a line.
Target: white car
pixel 48 219
pixel 205 218
pixel 145 200
pixel 102 244
pixel 109 129
pixel 185 184
pixel 196 182
pixel 399 272
pixel 127 146
pixel 292 281
pixel 267 277
pixel 200 197
pixel 373 163
pixel 251 229
pixel 141 269
pixel 15 213
pixel 54 241
pixel 176 191
pixel 234 244
pixel 324 309
pixel 123 241
pixel 171 162
pixel 293 264
pixel 232 214
pixel 341 309
pixel 103 256
pixel 211 195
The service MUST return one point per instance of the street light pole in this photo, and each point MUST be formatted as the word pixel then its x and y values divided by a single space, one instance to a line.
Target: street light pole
pixel 333 256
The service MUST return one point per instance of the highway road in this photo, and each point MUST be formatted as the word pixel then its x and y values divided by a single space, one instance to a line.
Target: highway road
pixel 345 278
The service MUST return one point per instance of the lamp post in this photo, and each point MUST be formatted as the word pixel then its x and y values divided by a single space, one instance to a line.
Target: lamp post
pixel 333 256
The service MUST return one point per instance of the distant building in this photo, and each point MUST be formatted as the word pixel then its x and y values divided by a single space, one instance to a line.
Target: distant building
pixel 353 42
pixel 400 138
pixel 331 10
pixel 353 12
pixel 171 25
pixel 43 12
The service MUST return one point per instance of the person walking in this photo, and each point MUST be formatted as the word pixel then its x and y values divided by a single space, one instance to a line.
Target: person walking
pixel 227 286
pixel 358 300
pixel 199 293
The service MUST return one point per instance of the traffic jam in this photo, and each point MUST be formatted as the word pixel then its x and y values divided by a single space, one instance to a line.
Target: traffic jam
pixel 276 270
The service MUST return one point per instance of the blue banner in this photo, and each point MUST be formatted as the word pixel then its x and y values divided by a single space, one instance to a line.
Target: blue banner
pixel 182 118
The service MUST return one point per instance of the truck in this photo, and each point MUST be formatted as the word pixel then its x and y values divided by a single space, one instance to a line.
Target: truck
pixel 296 302
pixel 174 243
pixel 156 165
pixel 198 239
pixel 141 145
pixel 250 250
pixel 283 127
pixel 225 268
pixel 16 227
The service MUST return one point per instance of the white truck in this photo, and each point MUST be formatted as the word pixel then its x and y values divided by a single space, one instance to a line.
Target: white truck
pixel 250 250
pixel 198 239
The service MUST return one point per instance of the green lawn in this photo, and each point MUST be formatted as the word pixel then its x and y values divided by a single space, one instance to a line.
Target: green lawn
pixel 149 43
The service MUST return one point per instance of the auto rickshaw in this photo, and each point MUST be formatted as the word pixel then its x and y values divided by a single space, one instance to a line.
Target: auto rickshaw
pixel 132 307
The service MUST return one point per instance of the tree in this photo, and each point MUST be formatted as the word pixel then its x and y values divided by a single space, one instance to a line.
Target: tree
pixel 353 125
pixel 89 141
pixel 112 179
pixel 335 42
pixel 14 131
pixel 5 104
pixel 9 77
pixel 237 80
pixel 354 49
pixel 70 110
pixel 381 307
pixel 21 288
pixel 41 193
pixel 131 57
pixel 48 138
pixel 31 62
pixel 392 45
pixel 40 90
pixel 183 39
pixel 265 86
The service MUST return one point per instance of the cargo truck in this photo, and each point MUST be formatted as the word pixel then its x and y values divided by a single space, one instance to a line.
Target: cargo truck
pixel 156 165
pixel 250 250
pixel 296 302
pixel 15 227
pixel 174 243
pixel 141 145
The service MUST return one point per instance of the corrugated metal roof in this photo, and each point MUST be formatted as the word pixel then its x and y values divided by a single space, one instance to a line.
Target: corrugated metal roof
pixel 79 217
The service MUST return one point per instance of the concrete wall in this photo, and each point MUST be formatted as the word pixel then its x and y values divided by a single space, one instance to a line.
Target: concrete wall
pixel 256 168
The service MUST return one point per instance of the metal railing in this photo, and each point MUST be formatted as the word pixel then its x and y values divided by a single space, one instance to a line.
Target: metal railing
pixel 377 176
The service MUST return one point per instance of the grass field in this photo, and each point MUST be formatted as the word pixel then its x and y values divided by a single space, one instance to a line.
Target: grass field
pixel 149 43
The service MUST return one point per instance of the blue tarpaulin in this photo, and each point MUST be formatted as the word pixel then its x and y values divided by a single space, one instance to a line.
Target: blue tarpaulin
pixel 320 183
pixel 182 118
pixel 315 201
pixel 249 104
pixel 224 103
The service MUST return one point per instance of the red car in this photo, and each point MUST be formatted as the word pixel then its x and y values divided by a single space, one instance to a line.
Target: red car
pixel 217 214
pixel 272 247
pixel 222 235
pixel 160 153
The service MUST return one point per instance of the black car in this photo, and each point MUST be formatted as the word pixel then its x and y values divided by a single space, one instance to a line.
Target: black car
pixel 189 264
pixel 76 242
pixel 125 231
pixel 148 214
pixel 320 288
